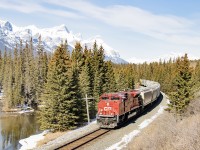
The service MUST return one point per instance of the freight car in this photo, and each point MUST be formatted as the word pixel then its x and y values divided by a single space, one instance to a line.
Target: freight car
pixel 116 108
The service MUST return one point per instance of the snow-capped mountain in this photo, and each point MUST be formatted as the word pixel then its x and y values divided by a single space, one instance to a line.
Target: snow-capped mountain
pixel 51 37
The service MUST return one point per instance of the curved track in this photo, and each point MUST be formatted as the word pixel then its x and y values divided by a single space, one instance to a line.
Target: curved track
pixel 77 143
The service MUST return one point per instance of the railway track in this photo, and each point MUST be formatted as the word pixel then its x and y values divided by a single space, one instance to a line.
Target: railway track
pixel 79 142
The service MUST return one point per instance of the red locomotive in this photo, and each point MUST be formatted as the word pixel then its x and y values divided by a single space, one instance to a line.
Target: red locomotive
pixel 115 108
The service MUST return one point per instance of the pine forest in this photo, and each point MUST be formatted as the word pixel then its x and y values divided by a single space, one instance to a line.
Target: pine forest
pixel 60 81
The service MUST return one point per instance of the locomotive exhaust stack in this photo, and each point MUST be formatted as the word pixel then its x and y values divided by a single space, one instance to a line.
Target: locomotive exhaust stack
pixel 115 108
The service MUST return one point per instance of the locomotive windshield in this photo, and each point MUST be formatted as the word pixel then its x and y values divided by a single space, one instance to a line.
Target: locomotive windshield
pixel 115 98
pixel 104 98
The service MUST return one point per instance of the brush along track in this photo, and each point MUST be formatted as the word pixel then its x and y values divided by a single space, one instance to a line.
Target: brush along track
pixel 77 143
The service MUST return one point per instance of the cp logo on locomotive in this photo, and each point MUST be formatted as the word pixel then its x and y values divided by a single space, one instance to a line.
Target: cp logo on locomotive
pixel 107 108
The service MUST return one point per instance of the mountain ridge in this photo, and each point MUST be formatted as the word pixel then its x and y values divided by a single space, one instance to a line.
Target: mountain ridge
pixel 11 34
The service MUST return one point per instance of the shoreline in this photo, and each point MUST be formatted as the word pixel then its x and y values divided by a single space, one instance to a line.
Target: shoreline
pixel 14 114
pixel 52 140
pixel 16 111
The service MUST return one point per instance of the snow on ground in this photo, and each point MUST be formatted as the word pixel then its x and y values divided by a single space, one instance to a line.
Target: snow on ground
pixel 146 122
pixel 1 95
pixel 127 138
pixel 25 111
pixel 31 142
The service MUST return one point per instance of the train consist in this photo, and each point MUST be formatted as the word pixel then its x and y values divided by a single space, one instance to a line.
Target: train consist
pixel 116 108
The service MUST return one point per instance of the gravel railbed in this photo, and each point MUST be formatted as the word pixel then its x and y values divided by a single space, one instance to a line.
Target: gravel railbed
pixel 69 136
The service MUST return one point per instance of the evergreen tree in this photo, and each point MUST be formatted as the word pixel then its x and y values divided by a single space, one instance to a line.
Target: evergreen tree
pixel 1 69
pixel 181 95
pixel 30 80
pixel 99 75
pixel 196 77
pixel 3 74
pixel 17 98
pixel 41 71
pixel 109 81
pixel 77 70
pixel 122 78
pixel 130 77
pixel 8 81
pixel 22 70
pixel 80 108
pixel 85 80
pixel 45 66
pixel 60 110
pixel 89 68
pixel 99 71
pixel 77 57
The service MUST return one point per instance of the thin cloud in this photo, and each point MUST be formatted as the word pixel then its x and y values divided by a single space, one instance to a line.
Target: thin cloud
pixel 30 6
pixel 170 28
pixel 21 6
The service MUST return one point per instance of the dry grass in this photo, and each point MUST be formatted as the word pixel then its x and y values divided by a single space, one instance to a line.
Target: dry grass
pixel 49 137
pixel 168 133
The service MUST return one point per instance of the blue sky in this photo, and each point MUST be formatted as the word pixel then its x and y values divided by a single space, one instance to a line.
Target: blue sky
pixel 137 29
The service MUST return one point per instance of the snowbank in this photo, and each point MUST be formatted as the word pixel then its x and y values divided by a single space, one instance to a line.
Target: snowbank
pixel 31 142
pixel 25 111
pixel 127 138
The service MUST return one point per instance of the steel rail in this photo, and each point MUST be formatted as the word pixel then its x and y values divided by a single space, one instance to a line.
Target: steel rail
pixel 77 143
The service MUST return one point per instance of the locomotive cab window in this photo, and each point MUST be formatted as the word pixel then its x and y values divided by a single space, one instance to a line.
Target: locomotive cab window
pixel 115 98
pixel 105 98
